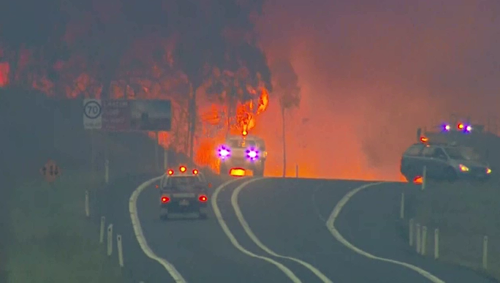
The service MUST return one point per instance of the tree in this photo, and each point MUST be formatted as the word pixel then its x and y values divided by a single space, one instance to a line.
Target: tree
pixel 286 85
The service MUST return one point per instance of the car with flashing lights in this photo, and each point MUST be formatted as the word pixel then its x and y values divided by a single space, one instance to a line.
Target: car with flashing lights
pixel 183 192
pixel 247 152
pixel 443 161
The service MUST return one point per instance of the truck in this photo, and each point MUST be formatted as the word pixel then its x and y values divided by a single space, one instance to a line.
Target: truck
pixel 246 152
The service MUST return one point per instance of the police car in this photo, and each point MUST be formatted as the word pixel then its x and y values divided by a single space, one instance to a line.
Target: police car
pixel 183 191
pixel 442 161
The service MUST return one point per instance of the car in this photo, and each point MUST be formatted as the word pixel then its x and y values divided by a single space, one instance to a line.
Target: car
pixel 242 153
pixel 443 161
pixel 183 192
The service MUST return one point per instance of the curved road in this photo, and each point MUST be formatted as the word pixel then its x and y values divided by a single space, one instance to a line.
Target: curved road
pixel 279 230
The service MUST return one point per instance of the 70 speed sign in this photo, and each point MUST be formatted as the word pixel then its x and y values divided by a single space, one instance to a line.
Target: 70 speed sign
pixel 92 114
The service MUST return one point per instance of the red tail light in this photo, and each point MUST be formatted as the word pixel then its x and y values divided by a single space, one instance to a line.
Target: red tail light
pixel 165 199
pixel 203 198
pixel 170 172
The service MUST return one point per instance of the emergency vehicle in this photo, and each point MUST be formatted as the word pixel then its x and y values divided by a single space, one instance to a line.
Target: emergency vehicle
pixel 442 160
pixel 246 152
pixel 183 191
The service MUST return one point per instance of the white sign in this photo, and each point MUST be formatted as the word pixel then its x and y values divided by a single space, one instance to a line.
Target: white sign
pixel 92 114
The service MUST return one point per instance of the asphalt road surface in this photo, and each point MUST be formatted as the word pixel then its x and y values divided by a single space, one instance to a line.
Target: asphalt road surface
pixel 277 230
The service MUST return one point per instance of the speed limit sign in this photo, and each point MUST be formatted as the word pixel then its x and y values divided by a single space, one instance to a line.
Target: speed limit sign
pixel 92 114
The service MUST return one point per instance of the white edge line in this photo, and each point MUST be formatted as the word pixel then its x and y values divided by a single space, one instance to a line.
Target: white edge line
pixel 330 224
pixel 235 242
pixel 136 224
pixel 255 239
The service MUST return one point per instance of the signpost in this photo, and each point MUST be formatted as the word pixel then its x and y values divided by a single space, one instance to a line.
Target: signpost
pixel 50 171
pixel 92 114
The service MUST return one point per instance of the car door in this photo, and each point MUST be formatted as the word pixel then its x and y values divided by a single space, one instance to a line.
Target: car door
pixel 430 162
pixel 441 162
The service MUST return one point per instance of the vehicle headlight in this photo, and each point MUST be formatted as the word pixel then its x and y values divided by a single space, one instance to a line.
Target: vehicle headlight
pixel 463 168
pixel 488 171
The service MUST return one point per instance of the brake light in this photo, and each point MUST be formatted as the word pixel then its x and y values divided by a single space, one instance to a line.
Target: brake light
pixel 165 199
pixel 182 169
pixel 424 139
pixel 195 171
pixel 170 172
pixel 203 198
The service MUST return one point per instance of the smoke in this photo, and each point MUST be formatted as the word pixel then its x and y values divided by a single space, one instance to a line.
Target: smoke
pixel 371 73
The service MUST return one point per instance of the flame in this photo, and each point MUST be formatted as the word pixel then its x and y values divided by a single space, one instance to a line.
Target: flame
pixel 4 74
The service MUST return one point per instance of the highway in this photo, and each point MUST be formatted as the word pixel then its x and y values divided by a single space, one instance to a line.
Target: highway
pixel 275 230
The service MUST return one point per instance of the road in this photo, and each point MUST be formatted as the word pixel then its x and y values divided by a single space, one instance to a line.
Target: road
pixel 288 219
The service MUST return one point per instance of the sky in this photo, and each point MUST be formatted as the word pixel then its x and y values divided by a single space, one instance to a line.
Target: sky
pixel 371 72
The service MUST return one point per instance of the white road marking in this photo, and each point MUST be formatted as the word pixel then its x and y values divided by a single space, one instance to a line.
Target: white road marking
pixel 330 224
pixel 140 236
pixel 248 230
pixel 235 242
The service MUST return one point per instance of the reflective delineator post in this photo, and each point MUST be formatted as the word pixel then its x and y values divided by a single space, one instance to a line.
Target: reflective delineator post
pixel 87 204
pixel 119 247
pixel 423 247
pixel 418 242
pixel 436 243
pixel 110 239
pixel 101 231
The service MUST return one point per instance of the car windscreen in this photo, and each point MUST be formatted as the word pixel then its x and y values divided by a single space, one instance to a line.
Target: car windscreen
pixel 241 143
pixel 182 183
pixel 462 153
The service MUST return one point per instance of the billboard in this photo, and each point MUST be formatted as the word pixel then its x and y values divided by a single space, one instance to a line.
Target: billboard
pixel 127 115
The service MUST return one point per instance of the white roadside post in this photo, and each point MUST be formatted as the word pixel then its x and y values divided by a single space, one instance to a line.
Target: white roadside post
pixel 101 231
pixel 436 243
pixel 110 239
pixel 402 207
pixel 417 228
pixel 485 252
pixel 424 178
pixel 106 171
pixel 87 204
pixel 119 247
pixel 424 241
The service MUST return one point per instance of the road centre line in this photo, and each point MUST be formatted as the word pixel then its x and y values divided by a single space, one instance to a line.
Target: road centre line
pixel 235 242
pixel 136 224
pixel 248 230
pixel 330 224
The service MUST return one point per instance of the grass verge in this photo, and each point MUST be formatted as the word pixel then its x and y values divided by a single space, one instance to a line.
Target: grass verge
pixel 464 213
pixel 54 242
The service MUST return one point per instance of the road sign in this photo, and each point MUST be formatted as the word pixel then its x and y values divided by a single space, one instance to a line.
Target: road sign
pixel 127 115
pixel 116 115
pixel 92 114
pixel 50 171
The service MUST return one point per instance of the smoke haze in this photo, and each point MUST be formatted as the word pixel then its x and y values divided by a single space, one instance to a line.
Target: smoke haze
pixel 371 73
